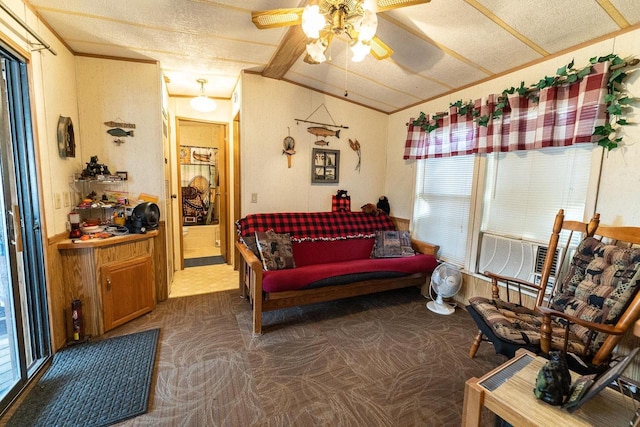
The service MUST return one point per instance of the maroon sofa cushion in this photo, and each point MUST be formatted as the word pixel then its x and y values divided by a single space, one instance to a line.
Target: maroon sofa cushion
pixel 328 251
pixel 303 277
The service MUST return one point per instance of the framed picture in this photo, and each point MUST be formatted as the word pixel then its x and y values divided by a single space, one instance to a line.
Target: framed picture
pixel 325 166
pixel 587 386
pixel 123 175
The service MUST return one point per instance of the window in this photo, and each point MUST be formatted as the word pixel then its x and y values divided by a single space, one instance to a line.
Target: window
pixel 525 189
pixel 520 194
pixel 442 204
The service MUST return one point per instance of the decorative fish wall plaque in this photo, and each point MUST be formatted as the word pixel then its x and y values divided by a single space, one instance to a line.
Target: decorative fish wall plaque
pixel 323 131
pixel 119 132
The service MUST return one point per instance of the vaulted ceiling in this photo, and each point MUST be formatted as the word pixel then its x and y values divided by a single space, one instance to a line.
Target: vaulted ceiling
pixel 438 47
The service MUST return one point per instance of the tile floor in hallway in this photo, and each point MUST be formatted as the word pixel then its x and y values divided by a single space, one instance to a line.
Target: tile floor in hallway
pixel 205 279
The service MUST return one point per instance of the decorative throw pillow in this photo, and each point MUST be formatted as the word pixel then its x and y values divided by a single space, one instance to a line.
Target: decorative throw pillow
pixel 392 244
pixel 251 244
pixel 275 250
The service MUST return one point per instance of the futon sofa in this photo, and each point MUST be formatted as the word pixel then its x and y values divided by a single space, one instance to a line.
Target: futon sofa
pixel 297 258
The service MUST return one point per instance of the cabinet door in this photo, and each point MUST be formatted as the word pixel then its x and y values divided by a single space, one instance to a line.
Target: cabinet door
pixel 127 290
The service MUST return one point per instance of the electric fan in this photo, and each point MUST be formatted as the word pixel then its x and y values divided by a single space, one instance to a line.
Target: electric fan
pixel 145 216
pixel 446 281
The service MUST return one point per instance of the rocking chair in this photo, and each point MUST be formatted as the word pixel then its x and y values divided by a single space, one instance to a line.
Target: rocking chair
pixel 586 308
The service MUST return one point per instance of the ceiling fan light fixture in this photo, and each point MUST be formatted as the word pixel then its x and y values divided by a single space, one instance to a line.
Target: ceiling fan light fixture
pixel 316 50
pixel 368 26
pixel 360 50
pixel 312 21
pixel 202 102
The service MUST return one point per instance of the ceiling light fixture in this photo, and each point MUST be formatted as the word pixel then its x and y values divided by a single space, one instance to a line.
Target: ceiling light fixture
pixel 350 17
pixel 202 102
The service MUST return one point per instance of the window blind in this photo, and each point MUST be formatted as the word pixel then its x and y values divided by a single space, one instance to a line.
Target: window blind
pixel 443 199
pixel 524 190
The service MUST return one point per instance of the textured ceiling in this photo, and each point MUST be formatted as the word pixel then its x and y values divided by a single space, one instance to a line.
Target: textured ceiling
pixel 438 46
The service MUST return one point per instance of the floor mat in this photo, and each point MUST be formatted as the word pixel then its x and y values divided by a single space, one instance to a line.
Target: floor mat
pixel 94 384
pixel 199 262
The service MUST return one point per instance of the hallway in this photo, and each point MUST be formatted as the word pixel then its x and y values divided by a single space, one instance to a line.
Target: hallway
pixel 203 280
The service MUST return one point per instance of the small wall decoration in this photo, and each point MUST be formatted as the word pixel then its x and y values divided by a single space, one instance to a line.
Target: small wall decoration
pixel 66 138
pixel 117 130
pixel 325 166
pixel 289 144
pixel 355 146
pixel 322 130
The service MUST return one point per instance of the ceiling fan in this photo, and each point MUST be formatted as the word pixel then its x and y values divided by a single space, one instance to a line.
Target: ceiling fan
pixel 322 19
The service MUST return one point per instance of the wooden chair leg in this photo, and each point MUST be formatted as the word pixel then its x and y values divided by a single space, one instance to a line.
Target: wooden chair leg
pixel 476 345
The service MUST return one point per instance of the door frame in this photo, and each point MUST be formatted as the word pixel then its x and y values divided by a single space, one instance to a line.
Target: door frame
pixel 31 305
pixel 223 171
pixel 237 207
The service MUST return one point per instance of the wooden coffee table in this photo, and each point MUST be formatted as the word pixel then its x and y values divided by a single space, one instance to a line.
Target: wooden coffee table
pixel 508 392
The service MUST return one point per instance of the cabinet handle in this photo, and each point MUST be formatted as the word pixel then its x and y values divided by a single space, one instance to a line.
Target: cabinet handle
pixel 108 283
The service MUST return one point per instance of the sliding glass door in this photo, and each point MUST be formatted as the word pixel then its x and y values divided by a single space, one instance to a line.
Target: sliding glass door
pixel 24 327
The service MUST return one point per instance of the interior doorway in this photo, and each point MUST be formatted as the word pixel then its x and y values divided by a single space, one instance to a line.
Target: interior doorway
pixel 202 174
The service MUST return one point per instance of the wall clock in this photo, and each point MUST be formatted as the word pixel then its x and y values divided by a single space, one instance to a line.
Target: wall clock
pixel 66 138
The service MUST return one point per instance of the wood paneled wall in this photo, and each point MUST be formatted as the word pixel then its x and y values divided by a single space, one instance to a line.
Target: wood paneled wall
pixel 59 307
pixel 160 263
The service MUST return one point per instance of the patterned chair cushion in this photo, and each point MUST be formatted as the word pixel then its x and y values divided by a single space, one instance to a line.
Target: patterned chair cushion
pixel 520 325
pixel 601 281
pixel 601 290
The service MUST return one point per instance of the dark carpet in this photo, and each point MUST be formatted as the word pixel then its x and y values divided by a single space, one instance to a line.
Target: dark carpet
pixel 374 360
pixel 199 262
pixel 93 384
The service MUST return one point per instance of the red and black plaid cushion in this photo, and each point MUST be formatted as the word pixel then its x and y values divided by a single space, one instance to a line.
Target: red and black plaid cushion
pixel 315 225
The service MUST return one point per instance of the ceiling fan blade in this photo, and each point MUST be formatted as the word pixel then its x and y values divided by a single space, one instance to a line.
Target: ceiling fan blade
pixel 379 49
pixel 383 5
pixel 277 18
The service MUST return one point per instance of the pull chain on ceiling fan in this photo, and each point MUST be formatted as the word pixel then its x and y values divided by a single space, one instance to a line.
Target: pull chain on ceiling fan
pixel 355 19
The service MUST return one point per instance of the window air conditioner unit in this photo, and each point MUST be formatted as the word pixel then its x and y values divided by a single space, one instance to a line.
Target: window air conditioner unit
pixel 514 258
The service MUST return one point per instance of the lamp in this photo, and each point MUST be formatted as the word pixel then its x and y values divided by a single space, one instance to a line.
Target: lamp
pixel 202 102
pixel 337 17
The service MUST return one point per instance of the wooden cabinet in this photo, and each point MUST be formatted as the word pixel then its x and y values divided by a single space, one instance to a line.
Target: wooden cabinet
pixel 127 291
pixel 114 278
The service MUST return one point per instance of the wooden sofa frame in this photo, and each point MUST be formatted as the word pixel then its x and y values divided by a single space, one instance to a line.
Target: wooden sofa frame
pixel 250 283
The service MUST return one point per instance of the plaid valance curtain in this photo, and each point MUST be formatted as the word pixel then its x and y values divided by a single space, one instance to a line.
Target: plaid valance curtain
pixel 563 116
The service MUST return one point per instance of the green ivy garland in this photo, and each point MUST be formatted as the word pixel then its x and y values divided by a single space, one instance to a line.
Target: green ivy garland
pixel 616 99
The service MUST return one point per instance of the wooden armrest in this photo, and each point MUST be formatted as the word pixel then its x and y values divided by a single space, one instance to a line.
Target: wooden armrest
pixel 495 290
pixel 599 327
pixel 522 282
pixel 424 247
pixel 249 257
